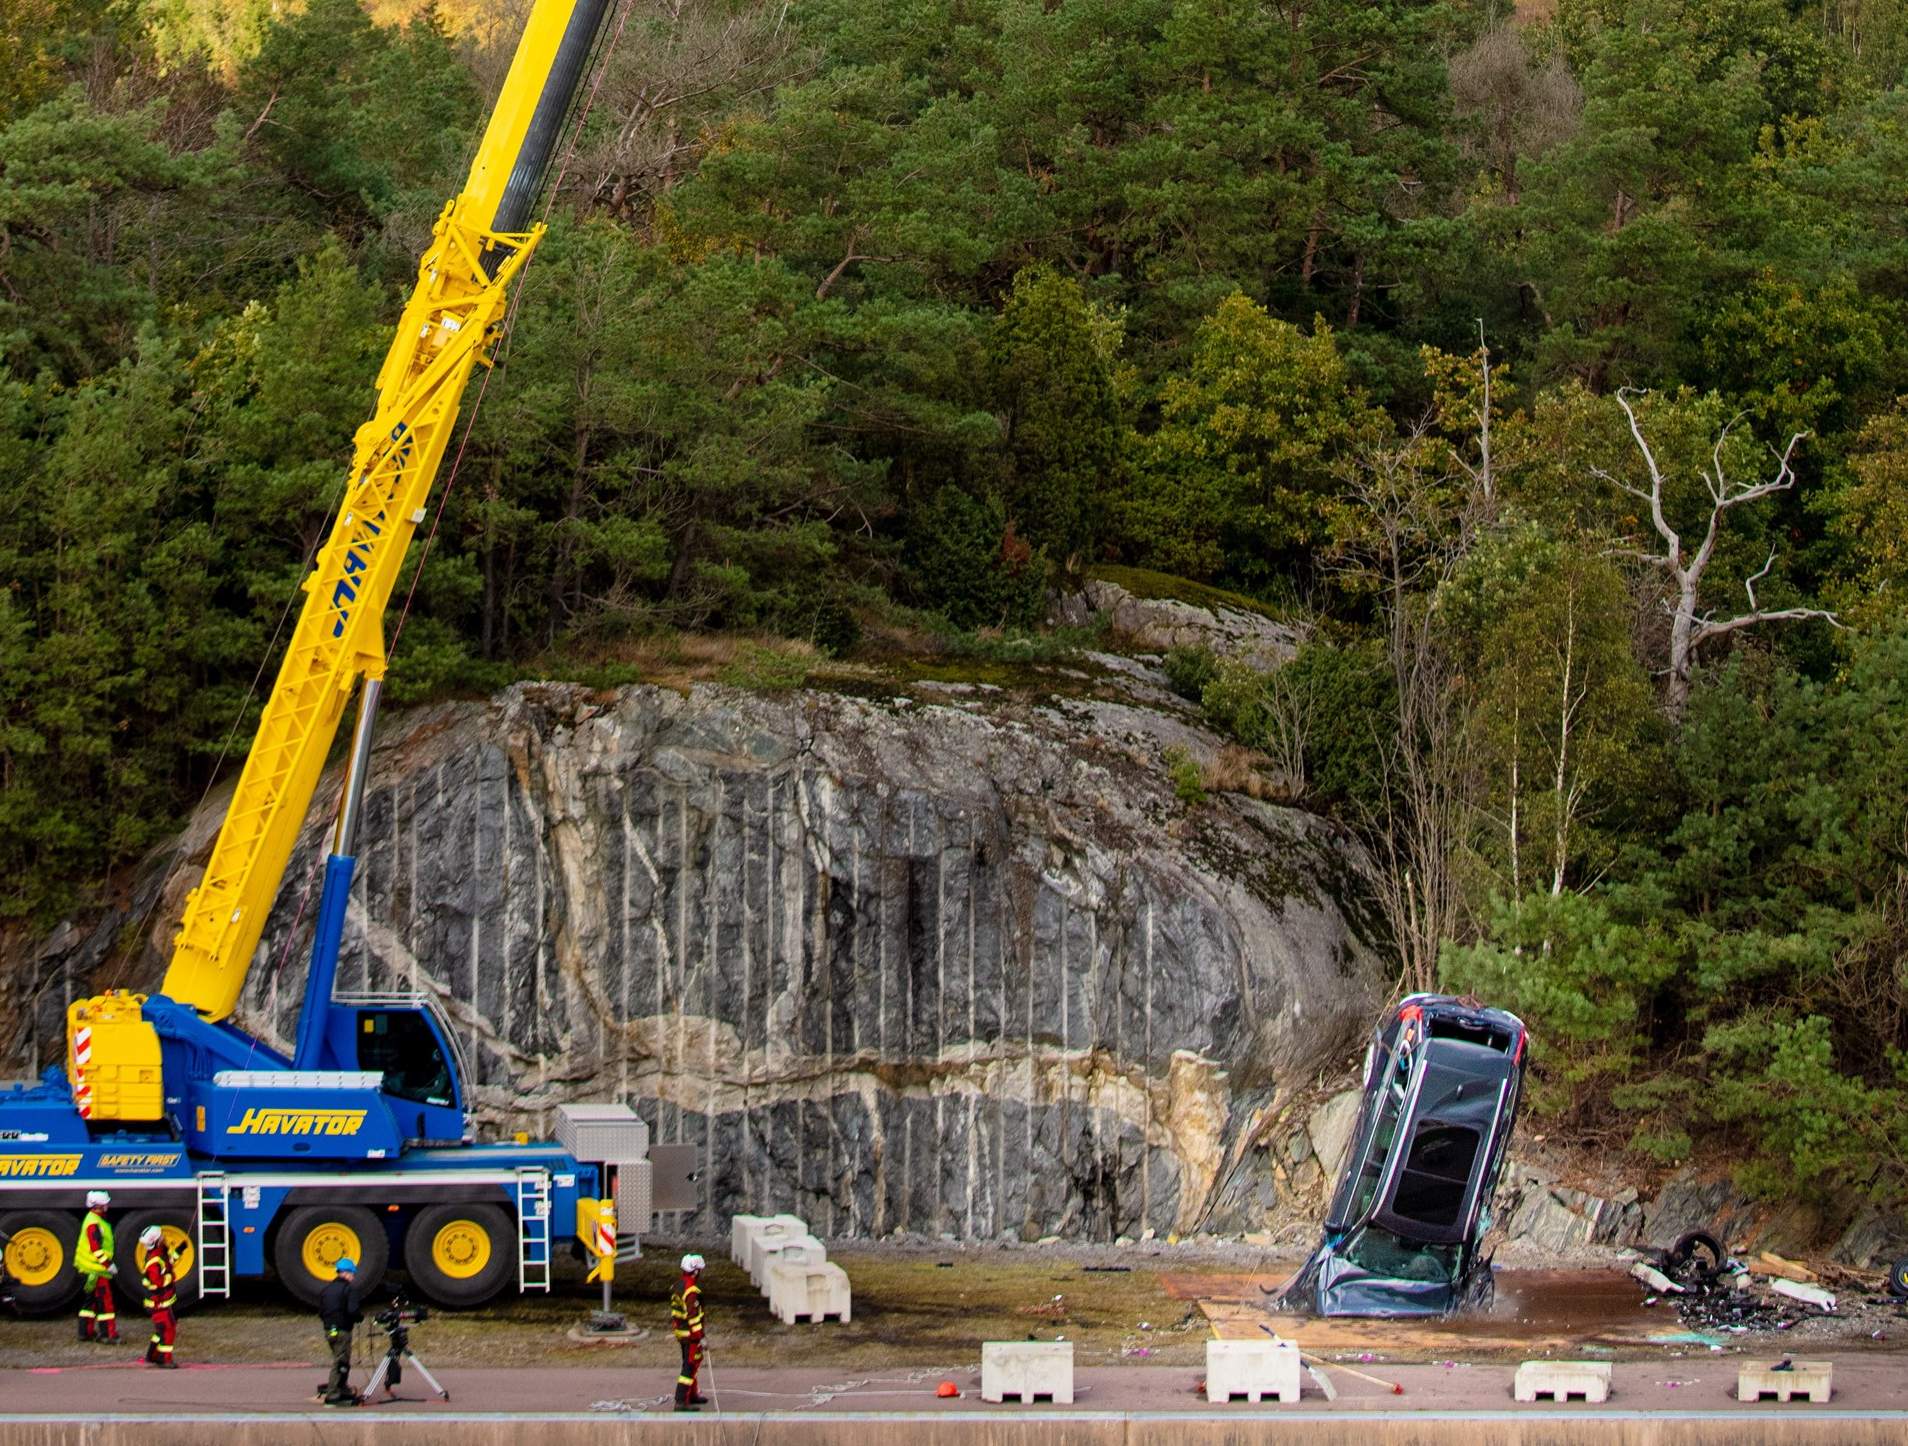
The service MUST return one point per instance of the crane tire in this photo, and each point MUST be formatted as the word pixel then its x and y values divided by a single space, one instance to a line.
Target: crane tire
pixel 313 1236
pixel 39 1259
pixel 460 1255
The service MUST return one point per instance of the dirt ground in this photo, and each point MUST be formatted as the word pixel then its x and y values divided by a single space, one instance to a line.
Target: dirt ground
pixel 923 1306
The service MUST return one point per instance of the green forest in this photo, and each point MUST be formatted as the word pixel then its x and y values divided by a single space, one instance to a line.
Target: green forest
pixel 1549 366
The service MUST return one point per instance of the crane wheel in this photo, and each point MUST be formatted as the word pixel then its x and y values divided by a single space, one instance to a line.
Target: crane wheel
pixel 460 1254
pixel 39 1259
pixel 181 1239
pixel 314 1237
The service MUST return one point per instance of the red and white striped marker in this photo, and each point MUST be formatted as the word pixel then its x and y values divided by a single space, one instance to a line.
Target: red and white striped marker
pixel 606 1229
pixel 82 1057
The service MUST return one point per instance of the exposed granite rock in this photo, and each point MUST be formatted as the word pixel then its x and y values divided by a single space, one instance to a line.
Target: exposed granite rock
pixel 961 966
pixel 1538 1210
pixel 1162 623
pixel 1330 1128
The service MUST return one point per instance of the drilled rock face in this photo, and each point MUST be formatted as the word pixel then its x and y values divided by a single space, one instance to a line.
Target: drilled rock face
pixel 948 964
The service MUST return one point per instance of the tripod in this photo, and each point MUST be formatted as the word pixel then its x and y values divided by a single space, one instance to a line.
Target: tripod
pixel 390 1371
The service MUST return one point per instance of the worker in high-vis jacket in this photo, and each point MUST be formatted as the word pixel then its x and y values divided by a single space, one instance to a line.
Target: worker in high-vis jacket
pixel 685 1316
pixel 162 1297
pixel 98 1321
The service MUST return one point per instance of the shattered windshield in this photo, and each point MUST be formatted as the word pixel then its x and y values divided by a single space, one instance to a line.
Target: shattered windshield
pixel 1379 1252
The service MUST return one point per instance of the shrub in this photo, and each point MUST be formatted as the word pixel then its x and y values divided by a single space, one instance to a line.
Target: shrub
pixel 965 562
pixel 1189 779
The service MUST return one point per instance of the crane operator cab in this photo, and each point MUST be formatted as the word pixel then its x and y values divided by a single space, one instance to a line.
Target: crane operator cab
pixel 410 1042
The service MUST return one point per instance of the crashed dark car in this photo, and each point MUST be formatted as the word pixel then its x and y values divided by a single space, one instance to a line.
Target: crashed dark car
pixel 1402 1233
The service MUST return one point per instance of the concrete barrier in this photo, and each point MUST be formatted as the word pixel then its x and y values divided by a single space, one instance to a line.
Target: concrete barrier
pixel 1027 1370
pixel 800 1289
pixel 1784 1380
pixel 770 1245
pixel 740 1228
pixel 1560 1380
pixel 744 1228
pixel 1252 1369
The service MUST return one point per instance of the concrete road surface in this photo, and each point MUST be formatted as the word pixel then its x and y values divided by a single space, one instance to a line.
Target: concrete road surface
pixel 1684 1400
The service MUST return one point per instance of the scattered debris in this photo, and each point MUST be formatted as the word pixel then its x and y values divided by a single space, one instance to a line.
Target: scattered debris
pixel 1711 1291
pixel 1808 1294
pixel 1655 1280
pixel 1769 1263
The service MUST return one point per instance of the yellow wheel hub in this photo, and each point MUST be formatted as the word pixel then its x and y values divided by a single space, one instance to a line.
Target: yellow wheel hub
pixel 35 1255
pixel 324 1245
pixel 461 1249
pixel 179 1243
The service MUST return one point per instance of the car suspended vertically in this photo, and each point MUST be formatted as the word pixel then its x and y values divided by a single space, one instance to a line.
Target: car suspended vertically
pixel 1403 1230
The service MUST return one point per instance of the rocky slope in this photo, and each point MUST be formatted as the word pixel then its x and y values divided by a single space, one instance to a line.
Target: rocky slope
pixel 942 958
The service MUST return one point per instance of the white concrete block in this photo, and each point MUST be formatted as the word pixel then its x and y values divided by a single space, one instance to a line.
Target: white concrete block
pixel 807 1290
pixel 1027 1370
pixel 767 1245
pixel 743 1228
pixel 765 1235
pixel 1784 1380
pixel 740 1228
pixel 1560 1380
pixel 1253 1369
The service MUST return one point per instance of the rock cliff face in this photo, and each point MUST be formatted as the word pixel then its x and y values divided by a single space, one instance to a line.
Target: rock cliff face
pixel 953 961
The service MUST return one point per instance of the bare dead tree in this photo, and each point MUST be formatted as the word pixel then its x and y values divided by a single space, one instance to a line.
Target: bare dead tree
pixel 667 94
pixel 1516 110
pixel 1419 828
pixel 1690 628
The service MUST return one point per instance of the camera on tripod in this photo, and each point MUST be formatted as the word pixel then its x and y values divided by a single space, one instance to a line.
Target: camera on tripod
pixel 396 1320
pixel 399 1315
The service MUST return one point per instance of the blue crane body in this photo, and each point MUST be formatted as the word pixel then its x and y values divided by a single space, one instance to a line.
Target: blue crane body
pixel 361 1142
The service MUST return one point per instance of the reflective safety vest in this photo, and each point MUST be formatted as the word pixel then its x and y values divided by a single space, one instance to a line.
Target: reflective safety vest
pixel 685 1310
pixel 160 1294
pixel 89 1261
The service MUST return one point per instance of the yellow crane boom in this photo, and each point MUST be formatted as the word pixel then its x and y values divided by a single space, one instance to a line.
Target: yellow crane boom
pixel 449 325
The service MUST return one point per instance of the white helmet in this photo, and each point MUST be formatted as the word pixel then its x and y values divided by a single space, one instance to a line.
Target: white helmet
pixel 97 1199
pixel 151 1236
pixel 693 1265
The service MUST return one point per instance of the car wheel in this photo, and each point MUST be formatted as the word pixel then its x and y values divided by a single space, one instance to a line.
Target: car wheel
pixel 1700 1249
pixel 1898 1278
pixel 314 1237
pixel 39 1259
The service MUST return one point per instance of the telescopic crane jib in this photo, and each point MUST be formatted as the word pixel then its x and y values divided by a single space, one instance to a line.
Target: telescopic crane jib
pixel 451 322
pixel 361 1142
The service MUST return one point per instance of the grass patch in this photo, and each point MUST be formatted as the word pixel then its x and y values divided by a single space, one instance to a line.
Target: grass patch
pixel 909 1310
pixel 769 670
pixel 1144 583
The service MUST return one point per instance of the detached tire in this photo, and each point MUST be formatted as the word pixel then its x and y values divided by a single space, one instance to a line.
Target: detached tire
pixel 1898 1279
pixel 39 1259
pixel 183 1239
pixel 460 1255
pixel 1700 1249
pixel 313 1238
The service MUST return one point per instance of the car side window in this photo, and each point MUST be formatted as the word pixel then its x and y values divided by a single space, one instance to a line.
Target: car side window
pixel 1371 1166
